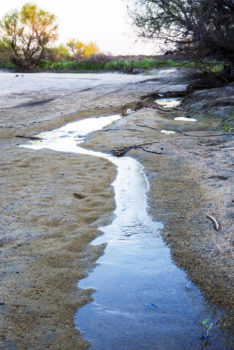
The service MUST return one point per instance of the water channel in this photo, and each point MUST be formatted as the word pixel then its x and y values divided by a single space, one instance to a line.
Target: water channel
pixel 142 300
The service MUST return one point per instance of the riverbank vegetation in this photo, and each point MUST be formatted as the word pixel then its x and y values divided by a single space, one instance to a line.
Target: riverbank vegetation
pixel 61 59
pixel 28 35
pixel 125 64
pixel 28 40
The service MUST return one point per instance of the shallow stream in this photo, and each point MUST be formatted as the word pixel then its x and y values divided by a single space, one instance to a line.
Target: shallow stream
pixel 142 300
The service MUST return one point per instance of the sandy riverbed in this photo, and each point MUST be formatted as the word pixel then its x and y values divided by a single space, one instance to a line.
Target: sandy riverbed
pixel 52 204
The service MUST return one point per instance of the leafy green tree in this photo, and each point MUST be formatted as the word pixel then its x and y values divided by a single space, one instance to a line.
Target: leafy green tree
pixel 63 52
pixel 28 33
pixel 58 53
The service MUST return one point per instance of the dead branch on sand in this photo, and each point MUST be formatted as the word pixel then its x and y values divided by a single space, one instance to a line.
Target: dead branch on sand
pixel 120 152
pixel 214 220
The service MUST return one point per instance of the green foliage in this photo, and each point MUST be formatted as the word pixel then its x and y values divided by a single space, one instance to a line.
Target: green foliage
pixel 27 33
pixel 7 65
pixel 5 52
pixel 58 53
pixel 217 68
pixel 227 126
pixel 207 325
pixel 62 51
pixel 124 65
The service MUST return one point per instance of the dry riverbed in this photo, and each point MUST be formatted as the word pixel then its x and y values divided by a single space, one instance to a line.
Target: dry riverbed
pixel 52 204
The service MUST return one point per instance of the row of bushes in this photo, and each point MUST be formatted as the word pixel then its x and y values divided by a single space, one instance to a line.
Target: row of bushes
pixel 7 65
pixel 122 65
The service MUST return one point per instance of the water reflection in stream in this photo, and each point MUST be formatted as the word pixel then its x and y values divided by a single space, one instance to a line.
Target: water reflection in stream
pixel 142 299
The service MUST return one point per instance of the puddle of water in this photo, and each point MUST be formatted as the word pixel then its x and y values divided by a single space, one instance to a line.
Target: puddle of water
pixel 169 102
pixel 167 132
pixel 185 119
pixel 142 300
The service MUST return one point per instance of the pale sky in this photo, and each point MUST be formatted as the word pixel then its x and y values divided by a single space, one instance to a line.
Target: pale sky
pixel 104 21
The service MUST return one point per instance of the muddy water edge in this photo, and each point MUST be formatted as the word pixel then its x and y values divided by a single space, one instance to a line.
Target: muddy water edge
pixel 190 177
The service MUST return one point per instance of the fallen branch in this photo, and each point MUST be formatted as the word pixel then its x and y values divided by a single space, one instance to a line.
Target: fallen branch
pixel 128 129
pixel 32 138
pixel 199 154
pixel 133 130
pixel 207 135
pixel 214 220
pixel 226 147
pixel 120 152
pixel 148 150
pixel 146 126
pixel 146 143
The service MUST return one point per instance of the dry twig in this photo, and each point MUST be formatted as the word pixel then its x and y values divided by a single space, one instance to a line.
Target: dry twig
pixel 150 151
pixel 214 220
pixel 120 152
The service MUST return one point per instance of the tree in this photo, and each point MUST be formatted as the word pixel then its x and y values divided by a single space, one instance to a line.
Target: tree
pixel 5 52
pixel 204 22
pixel 28 33
pixel 91 49
pixel 57 53
pixel 77 48
pixel 81 50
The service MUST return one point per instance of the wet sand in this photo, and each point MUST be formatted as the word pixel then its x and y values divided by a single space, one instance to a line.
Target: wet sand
pixel 52 205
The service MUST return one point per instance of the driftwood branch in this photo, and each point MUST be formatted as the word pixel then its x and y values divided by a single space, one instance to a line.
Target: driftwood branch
pixel 120 152
pixel 214 220
pixel 185 134
pixel 146 143
pixel 207 135
pixel 128 129
pixel 199 154
pixel 148 150
pixel 32 138
pixel 146 126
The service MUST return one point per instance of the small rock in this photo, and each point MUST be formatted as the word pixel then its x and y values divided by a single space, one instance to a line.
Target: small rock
pixel 167 132
pixel 138 71
pixel 78 195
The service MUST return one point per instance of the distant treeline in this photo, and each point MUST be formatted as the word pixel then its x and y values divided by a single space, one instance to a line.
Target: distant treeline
pixel 101 62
